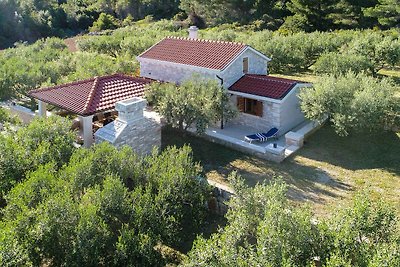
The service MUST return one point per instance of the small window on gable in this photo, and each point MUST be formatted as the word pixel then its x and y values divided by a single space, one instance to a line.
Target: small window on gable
pixel 245 65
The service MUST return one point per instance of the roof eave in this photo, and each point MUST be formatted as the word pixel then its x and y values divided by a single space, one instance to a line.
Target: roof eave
pixel 256 97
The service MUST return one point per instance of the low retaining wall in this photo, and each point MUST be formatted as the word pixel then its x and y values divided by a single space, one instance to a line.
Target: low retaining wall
pixel 25 114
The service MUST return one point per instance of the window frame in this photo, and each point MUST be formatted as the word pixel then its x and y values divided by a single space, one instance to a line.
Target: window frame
pixel 250 106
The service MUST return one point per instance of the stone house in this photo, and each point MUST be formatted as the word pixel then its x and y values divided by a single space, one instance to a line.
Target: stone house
pixel 263 101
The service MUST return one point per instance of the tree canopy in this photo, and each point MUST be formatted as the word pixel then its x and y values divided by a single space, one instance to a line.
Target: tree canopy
pixel 264 229
pixel 28 20
pixel 23 150
pixel 352 102
pixel 196 102
pixel 104 207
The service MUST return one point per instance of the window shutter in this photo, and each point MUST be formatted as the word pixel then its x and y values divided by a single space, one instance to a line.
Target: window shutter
pixel 240 103
pixel 259 108
pixel 245 65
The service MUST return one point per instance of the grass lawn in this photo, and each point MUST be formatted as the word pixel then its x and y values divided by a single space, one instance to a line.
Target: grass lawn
pixel 325 173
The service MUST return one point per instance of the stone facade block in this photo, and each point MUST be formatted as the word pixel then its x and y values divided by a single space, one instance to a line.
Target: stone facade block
pixel 293 138
pixel 131 109
pixel 172 72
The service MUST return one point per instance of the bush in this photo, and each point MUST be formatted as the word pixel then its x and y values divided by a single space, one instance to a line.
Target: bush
pixel 340 63
pixel 352 102
pixel 263 229
pixel 104 22
pixel 294 24
pixel 43 141
pixel 105 207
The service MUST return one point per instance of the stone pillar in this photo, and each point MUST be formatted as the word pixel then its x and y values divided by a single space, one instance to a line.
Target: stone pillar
pixel 42 108
pixel 87 128
pixel 294 139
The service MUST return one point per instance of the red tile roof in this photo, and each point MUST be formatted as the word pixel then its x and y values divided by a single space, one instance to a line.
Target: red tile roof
pixel 264 85
pixel 94 95
pixel 201 53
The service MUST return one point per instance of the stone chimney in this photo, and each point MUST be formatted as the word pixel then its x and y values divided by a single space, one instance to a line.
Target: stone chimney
pixel 193 32
pixel 133 128
pixel 130 110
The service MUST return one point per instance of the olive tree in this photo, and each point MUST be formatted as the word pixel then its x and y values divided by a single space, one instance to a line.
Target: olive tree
pixel 352 102
pixel 196 102
pixel 105 207
pixel 264 229
pixel 41 142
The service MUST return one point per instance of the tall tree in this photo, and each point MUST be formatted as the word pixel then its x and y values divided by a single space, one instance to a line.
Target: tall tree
pixel 387 12
pixel 218 11
pixel 316 12
pixel 348 14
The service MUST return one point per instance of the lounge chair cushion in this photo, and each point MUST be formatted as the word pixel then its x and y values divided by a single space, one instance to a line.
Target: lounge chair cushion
pixel 262 137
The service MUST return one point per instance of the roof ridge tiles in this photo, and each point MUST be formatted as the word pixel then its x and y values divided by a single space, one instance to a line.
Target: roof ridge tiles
pixel 91 94
pixel 205 40
pixel 272 78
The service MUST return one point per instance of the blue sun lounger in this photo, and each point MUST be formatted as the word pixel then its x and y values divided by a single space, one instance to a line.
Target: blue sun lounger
pixel 262 137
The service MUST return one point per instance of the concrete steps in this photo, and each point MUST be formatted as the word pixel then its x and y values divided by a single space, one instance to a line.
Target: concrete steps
pixel 290 150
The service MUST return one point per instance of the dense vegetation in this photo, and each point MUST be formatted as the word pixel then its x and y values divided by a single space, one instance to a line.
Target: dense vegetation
pixel 30 20
pixel 353 102
pixel 103 206
pixel 263 229
pixel 97 206
pixel 64 206
pixel 51 63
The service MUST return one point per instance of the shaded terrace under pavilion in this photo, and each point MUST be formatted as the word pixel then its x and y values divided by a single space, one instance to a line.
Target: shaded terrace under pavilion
pixel 90 97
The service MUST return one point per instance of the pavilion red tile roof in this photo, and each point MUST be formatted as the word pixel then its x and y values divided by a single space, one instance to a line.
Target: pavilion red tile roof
pixel 93 95
pixel 264 85
pixel 195 52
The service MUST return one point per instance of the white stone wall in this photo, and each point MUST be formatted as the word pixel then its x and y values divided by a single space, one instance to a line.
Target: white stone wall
pixel 132 128
pixel 257 65
pixel 142 136
pixel 290 112
pixel 164 71
pixel 284 115
pixel 269 119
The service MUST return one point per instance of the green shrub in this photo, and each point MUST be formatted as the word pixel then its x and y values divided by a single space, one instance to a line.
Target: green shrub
pixel 340 63
pixel 104 22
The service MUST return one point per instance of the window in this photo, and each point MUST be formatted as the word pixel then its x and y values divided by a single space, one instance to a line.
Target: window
pixel 250 106
pixel 245 65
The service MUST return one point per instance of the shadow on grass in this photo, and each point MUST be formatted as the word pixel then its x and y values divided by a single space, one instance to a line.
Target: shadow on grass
pixel 359 151
pixel 211 156
pixel 305 182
